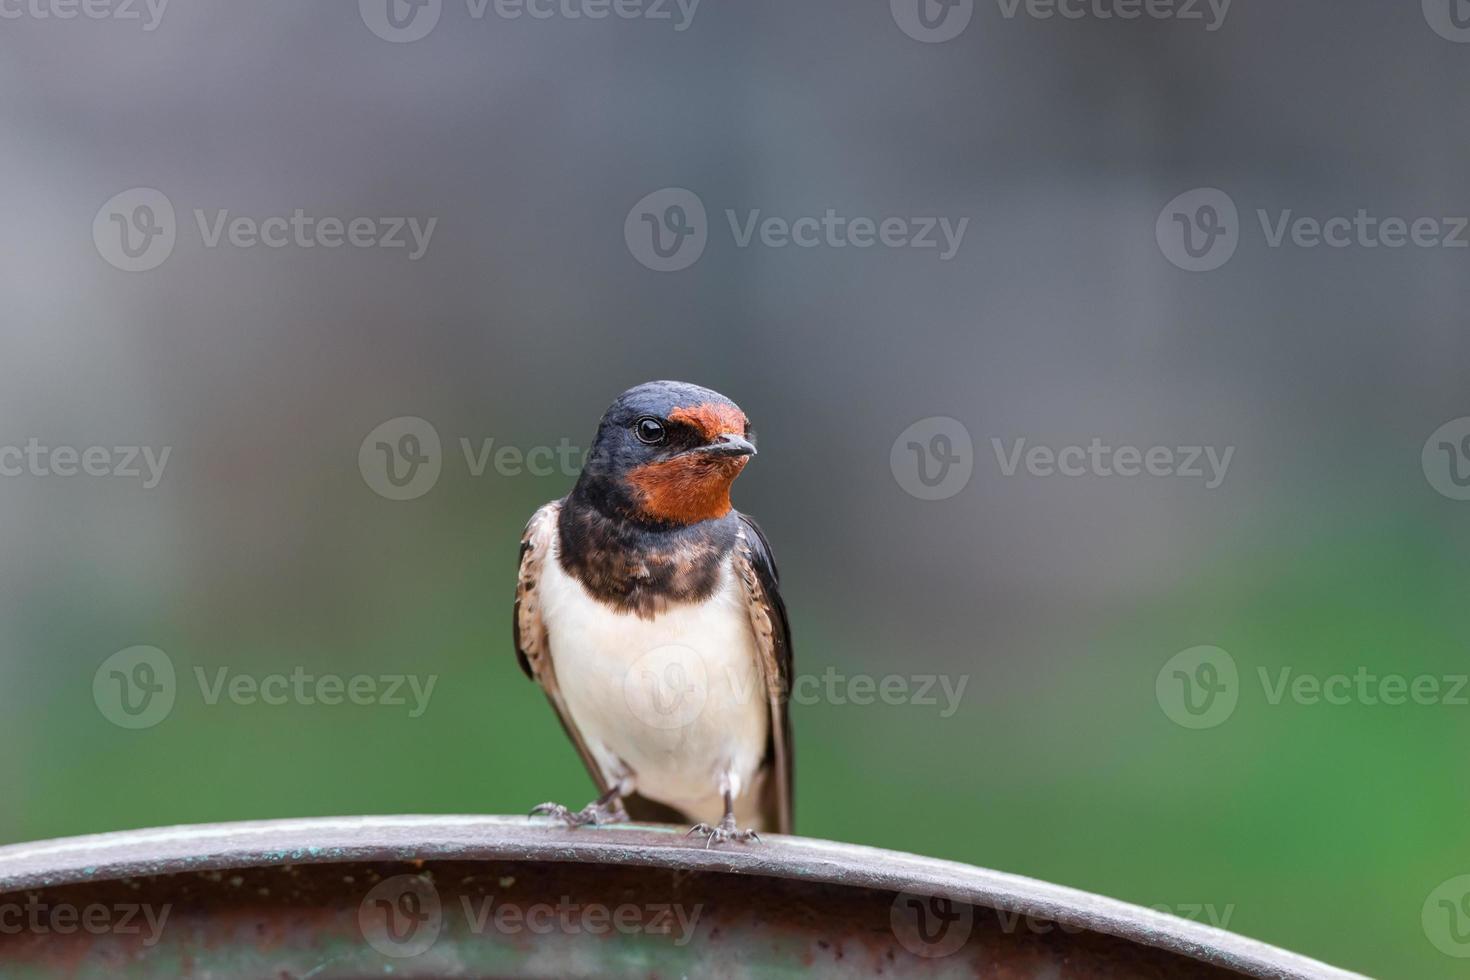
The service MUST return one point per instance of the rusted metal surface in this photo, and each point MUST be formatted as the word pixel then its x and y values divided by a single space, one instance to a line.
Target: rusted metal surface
pixel 513 897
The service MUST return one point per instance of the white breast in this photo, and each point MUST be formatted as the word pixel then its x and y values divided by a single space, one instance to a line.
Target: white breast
pixel 676 701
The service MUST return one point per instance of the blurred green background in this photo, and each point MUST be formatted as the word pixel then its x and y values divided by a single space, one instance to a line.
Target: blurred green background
pixel 1323 828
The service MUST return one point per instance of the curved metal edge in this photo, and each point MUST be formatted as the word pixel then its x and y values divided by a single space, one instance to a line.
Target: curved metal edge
pixel 329 840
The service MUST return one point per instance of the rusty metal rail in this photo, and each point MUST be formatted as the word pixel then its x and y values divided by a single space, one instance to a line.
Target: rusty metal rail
pixel 328 899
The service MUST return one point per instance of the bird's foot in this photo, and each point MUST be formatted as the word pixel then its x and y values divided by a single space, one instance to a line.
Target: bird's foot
pixel 725 831
pixel 593 814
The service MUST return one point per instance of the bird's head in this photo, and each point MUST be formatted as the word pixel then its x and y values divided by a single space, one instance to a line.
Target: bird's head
pixel 666 453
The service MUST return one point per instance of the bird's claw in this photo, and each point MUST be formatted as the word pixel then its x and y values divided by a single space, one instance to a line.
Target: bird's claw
pixel 590 815
pixel 726 831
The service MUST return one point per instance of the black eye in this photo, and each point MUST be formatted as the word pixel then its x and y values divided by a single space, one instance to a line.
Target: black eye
pixel 649 430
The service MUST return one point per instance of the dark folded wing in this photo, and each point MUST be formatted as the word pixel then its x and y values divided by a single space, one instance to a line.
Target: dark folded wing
pixel 757 571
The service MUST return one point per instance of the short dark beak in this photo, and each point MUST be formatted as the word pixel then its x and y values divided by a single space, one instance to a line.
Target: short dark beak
pixel 729 444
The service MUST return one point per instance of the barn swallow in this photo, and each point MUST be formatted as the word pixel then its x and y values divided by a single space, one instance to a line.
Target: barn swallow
pixel 648 610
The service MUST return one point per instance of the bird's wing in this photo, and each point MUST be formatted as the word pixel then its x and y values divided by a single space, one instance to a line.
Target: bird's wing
pixel 757 570
pixel 533 648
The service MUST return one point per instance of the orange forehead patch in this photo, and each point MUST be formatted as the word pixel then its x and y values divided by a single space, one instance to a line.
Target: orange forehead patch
pixel 711 419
